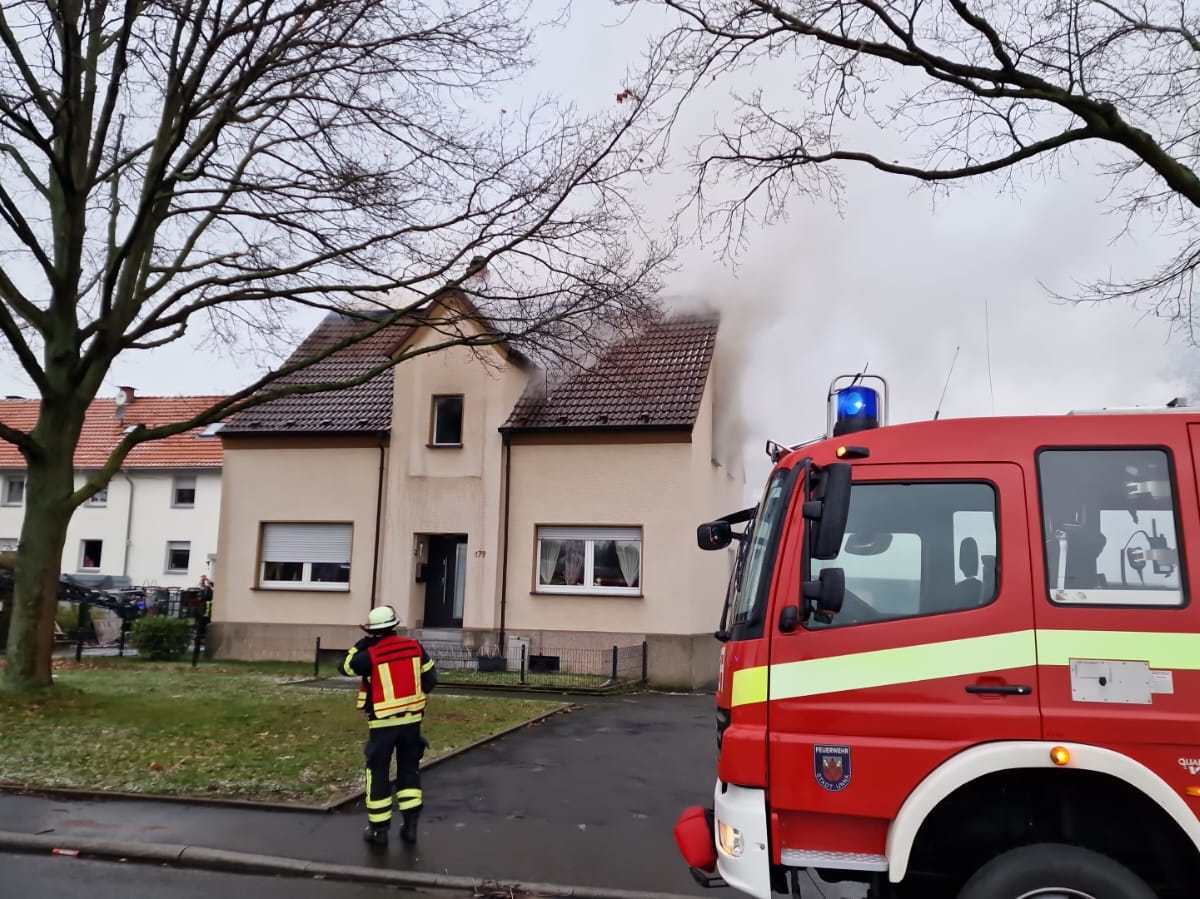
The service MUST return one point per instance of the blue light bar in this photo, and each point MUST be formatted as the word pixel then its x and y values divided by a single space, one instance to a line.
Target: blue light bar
pixel 857 409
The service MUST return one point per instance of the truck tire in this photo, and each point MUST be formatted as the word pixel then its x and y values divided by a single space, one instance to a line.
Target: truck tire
pixel 1054 871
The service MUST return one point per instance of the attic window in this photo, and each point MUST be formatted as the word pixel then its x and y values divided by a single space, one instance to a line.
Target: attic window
pixel 446 419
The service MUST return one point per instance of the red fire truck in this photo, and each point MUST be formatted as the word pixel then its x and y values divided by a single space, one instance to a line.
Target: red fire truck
pixel 962 658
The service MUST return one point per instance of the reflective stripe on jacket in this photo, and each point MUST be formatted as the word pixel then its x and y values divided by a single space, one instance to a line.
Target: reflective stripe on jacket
pixel 395 679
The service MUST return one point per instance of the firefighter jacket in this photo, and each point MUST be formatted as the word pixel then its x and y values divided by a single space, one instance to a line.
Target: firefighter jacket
pixel 397 674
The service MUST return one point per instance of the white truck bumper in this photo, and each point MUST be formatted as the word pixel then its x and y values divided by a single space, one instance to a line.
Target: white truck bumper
pixel 743 856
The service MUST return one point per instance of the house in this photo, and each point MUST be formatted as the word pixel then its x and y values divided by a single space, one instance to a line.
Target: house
pixel 485 507
pixel 156 523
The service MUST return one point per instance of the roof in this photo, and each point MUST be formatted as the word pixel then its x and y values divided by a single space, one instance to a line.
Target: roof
pixel 102 430
pixel 366 408
pixel 654 379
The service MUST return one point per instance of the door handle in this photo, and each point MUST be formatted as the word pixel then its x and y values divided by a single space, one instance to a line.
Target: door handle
pixel 1000 689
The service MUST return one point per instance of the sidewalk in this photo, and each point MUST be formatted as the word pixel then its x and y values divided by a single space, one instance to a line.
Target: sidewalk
pixel 587 797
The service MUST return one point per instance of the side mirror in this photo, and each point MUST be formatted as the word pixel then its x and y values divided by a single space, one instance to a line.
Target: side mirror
pixel 834 490
pixel 824 597
pixel 714 535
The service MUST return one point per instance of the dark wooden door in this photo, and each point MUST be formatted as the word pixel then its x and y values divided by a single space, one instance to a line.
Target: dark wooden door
pixel 440 582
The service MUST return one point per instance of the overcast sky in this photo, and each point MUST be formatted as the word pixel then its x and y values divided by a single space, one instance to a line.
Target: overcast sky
pixel 897 281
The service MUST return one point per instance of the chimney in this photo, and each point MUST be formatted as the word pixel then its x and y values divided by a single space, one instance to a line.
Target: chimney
pixel 129 392
pixel 476 270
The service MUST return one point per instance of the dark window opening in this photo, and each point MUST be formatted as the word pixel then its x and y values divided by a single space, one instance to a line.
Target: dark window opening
pixel 447 420
pixel 90 554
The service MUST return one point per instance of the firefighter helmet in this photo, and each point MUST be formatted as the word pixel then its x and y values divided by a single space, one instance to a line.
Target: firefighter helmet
pixel 382 618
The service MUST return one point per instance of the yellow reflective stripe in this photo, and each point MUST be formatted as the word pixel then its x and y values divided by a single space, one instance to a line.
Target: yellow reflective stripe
pixel 955 658
pixel 385 684
pixel 379 817
pixel 405 805
pixel 409 793
pixel 346 669
pixel 397 719
pixel 360 701
pixel 428 666
pixel 406 703
pixel 379 803
pixel 750 685
pixel 1161 650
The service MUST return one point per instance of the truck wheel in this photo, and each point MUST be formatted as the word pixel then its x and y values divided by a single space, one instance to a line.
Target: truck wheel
pixel 1054 871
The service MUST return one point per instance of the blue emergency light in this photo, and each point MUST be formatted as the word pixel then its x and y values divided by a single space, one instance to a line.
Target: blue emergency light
pixel 855 407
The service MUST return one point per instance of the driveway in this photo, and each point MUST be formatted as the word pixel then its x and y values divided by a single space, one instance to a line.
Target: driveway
pixel 587 797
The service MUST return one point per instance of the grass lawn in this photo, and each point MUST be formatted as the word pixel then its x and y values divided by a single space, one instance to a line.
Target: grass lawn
pixel 469 676
pixel 222 729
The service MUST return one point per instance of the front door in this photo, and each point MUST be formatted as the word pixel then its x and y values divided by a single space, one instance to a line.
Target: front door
pixel 933 651
pixel 445 580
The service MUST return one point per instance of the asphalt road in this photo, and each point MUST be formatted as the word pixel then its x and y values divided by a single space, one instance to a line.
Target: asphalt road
pixel 56 877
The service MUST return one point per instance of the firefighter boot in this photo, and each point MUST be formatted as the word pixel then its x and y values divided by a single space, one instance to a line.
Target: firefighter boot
pixel 408 832
pixel 376 834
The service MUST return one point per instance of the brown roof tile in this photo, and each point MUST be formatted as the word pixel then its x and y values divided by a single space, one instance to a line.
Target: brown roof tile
pixel 364 408
pixel 102 430
pixel 652 380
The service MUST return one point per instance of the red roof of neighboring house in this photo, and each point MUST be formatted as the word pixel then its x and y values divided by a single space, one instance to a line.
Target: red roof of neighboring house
pixel 102 430
pixel 654 379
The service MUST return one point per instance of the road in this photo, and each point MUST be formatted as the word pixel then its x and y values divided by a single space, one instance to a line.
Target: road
pixel 56 877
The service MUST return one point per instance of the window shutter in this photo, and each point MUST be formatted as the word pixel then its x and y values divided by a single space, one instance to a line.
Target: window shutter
pixel 589 533
pixel 307 542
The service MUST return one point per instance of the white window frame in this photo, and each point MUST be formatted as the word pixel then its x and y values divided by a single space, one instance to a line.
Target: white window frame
pixel 306 583
pixel 175 484
pixel 177 544
pixel 99 499
pixel 82 552
pixel 433 417
pixel 9 479
pixel 589 535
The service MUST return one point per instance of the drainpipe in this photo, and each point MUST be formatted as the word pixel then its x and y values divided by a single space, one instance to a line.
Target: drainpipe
pixel 506 444
pixel 378 518
pixel 128 525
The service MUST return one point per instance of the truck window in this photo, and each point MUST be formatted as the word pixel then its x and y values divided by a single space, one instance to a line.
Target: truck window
pixel 1109 527
pixel 916 549
pixel 759 560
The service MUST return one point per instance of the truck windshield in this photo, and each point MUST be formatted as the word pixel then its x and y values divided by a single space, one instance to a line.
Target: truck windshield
pixel 750 592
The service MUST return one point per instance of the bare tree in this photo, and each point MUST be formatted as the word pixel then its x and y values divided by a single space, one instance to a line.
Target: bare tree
pixel 214 164
pixel 956 89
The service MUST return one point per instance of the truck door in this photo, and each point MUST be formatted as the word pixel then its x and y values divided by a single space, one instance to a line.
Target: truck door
pixel 932 651
pixel 1118 651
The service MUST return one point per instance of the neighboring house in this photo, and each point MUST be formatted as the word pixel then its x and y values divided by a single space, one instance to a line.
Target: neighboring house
pixel 156 523
pixel 458 490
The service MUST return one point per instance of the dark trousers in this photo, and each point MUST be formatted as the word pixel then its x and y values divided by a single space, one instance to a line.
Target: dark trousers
pixel 404 741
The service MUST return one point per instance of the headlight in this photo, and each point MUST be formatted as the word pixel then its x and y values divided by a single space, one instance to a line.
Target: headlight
pixel 729 838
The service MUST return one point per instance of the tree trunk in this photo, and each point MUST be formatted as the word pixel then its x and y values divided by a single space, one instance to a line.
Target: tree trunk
pixel 35 581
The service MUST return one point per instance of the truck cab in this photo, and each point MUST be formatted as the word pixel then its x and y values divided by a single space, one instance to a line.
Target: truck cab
pixel 962 659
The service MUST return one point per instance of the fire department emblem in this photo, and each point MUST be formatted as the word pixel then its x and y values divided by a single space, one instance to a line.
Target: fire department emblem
pixel 831 765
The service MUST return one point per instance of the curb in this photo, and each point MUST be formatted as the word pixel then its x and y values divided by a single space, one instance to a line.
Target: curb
pixel 250 863
pixel 332 805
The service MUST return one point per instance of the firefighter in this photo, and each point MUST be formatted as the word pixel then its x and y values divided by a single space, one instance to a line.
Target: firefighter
pixel 396 674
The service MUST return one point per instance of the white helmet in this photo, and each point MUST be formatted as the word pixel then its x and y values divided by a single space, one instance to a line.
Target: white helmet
pixel 382 618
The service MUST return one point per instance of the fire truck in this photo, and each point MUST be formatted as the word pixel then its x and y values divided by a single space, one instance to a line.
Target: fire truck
pixel 961 658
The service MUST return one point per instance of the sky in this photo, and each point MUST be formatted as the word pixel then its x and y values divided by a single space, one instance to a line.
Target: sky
pixel 894 280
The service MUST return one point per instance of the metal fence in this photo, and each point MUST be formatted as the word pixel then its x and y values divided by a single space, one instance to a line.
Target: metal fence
pixel 524 666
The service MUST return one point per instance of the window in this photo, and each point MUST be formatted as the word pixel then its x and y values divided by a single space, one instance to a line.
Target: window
pixel 916 549
pixel 603 561
pixel 757 555
pixel 179 556
pixel 1110 532
pixel 9 544
pixel 99 498
pixel 90 553
pixel 309 556
pixel 14 490
pixel 183 493
pixel 447 421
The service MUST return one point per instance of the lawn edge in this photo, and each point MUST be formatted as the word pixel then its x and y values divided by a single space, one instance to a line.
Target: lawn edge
pixel 332 805
pixel 251 863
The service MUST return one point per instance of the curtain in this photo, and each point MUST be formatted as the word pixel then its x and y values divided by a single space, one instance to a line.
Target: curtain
pixel 573 570
pixel 629 555
pixel 549 559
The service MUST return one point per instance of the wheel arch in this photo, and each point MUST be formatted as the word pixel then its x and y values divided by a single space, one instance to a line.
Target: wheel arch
pixel 993 758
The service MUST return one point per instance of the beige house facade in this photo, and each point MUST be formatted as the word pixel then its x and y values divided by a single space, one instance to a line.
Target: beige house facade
pixel 491 512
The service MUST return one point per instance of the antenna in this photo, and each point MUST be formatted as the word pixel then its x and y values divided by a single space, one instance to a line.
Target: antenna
pixel 987 338
pixel 949 374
